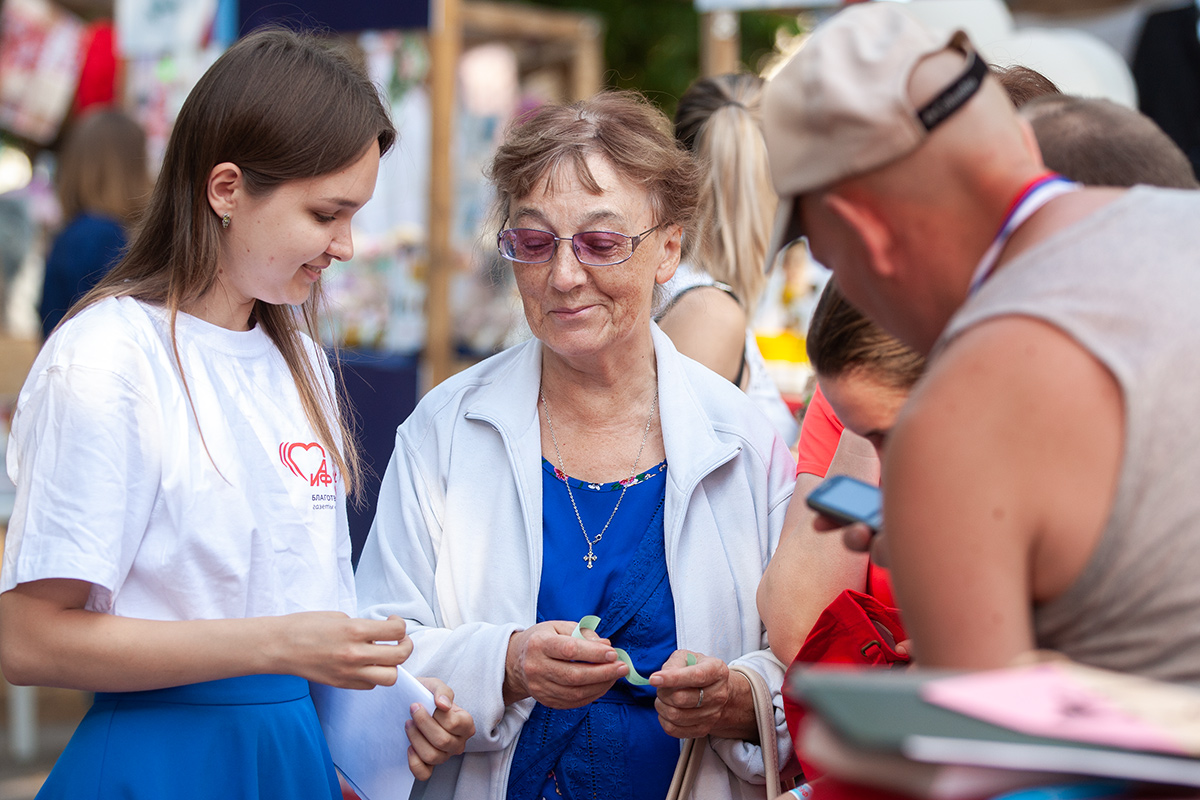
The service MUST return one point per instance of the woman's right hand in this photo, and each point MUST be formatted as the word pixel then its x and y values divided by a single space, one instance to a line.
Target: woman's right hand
pixel 331 647
pixel 547 663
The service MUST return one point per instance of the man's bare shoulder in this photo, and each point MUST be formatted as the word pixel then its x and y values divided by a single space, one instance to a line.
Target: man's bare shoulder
pixel 1011 359
pixel 997 483
pixel 1025 426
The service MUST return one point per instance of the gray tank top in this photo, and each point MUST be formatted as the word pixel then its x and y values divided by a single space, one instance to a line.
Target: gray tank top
pixel 1125 284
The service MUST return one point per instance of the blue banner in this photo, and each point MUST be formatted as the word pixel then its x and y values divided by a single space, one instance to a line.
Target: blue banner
pixel 336 15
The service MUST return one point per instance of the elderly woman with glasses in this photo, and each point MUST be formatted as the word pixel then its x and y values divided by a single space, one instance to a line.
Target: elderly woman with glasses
pixel 590 471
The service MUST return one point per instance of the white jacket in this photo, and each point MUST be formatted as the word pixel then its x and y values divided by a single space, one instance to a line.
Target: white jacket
pixel 456 547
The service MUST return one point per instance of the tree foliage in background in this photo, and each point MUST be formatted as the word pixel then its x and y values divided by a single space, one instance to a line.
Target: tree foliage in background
pixel 654 45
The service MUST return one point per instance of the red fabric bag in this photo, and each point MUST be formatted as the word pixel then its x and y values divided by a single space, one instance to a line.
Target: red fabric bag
pixel 856 630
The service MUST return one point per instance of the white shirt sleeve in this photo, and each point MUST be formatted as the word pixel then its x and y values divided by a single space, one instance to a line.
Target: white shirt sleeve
pixel 397 574
pixel 85 457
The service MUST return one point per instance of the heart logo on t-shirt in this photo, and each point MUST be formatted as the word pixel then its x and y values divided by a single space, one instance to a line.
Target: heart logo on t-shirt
pixel 306 460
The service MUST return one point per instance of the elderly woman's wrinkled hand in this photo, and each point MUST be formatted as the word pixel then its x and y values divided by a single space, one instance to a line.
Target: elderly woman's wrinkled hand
pixel 434 738
pixel 559 671
pixel 702 699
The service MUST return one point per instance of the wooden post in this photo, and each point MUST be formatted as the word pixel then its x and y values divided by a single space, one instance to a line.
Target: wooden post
pixel 720 43
pixel 448 19
pixel 583 33
pixel 586 78
pixel 445 46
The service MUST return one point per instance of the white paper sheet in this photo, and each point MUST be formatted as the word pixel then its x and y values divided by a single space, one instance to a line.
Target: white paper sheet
pixel 365 731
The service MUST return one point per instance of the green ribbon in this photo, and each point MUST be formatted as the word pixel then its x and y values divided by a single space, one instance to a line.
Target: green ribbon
pixel 590 622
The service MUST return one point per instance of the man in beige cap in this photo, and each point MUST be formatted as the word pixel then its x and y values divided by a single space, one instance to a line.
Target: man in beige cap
pixel 1039 486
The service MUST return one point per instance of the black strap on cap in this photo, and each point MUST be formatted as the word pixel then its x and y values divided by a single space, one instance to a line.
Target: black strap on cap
pixel 954 96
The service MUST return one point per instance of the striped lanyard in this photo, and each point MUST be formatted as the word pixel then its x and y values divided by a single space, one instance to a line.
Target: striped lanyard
pixel 1036 194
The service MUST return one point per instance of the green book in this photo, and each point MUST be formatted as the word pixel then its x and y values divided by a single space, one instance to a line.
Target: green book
pixel 882 712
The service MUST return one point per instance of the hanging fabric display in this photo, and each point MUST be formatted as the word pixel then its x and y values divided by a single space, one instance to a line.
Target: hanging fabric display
pixel 41 55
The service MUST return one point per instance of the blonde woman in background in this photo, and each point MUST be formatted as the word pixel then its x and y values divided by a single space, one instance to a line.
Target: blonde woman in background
pixel 711 300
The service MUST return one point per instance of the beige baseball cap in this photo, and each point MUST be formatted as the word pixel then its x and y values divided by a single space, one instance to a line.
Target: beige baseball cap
pixel 840 106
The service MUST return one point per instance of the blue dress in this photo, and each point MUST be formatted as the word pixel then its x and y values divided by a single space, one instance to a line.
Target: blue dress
pixel 237 739
pixel 615 747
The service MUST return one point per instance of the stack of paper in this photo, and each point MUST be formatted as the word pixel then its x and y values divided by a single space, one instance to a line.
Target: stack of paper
pixel 366 735
pixel 972 735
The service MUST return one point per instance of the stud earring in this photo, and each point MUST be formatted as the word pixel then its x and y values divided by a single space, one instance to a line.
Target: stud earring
pixel 225 221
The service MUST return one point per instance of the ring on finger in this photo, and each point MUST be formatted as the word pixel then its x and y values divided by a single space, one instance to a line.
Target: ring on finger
pixel 700 702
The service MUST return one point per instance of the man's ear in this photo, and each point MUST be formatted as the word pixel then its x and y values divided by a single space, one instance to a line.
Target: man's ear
pixel 873 231
pixel 225 184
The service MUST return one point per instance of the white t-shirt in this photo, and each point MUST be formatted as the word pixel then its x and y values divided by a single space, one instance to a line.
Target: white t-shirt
pixel 116 486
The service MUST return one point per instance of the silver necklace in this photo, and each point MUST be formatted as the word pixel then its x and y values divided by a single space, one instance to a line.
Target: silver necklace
pixel 590 558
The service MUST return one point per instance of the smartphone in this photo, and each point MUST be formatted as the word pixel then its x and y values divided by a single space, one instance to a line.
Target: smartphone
pixel 848 500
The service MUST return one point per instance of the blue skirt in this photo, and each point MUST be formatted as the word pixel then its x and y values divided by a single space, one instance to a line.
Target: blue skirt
pixel 250 737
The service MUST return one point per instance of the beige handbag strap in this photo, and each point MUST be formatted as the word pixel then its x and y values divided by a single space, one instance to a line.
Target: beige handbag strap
pixel 693 749
pixel 686 769
pixel 764 714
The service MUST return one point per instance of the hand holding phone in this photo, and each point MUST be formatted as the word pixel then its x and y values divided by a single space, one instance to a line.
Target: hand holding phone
pixel 848 500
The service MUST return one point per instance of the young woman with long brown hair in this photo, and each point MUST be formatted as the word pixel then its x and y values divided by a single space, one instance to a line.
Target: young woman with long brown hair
pixel 179 544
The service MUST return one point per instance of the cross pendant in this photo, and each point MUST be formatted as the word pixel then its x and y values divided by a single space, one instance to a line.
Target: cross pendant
pixel 590 558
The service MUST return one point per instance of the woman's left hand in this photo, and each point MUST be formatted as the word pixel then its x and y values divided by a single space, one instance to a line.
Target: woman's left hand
pixel 435 738
pixel 703 699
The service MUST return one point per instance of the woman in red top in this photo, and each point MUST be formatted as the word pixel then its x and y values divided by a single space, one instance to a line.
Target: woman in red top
pixel 864 376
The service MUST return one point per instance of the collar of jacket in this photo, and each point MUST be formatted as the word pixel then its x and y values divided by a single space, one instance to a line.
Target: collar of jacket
pixel 510 402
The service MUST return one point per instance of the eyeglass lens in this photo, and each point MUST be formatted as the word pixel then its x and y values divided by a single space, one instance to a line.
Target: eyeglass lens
pixel 595 248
